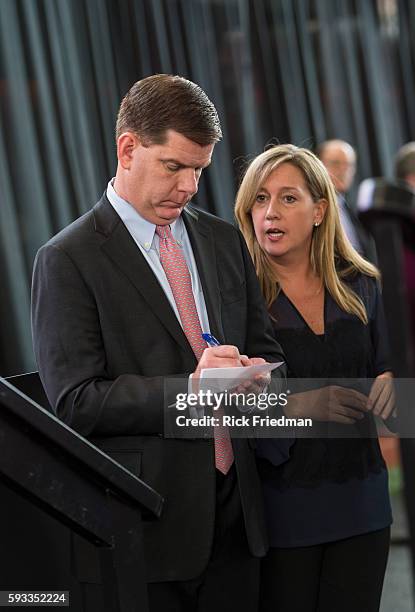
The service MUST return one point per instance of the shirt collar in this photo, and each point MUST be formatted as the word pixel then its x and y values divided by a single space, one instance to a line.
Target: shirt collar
pixel 142 230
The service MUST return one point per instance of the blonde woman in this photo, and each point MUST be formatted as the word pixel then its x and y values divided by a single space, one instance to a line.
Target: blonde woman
pixel 328 509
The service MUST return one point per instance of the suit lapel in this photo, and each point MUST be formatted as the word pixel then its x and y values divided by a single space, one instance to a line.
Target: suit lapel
pixel 120 247
pixel 203 246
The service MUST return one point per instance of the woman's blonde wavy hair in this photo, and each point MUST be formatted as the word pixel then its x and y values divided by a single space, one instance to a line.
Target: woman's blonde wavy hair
pixel 332 256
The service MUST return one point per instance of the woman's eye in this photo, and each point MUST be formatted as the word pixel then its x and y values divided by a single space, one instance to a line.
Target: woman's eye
pixel 289 199
pixel 260 198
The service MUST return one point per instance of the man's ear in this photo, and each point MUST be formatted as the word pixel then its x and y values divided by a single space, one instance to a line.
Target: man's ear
pixel 320 210
pixel 127 143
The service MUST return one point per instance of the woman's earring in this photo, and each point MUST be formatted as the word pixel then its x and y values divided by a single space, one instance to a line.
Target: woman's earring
pixel 316 224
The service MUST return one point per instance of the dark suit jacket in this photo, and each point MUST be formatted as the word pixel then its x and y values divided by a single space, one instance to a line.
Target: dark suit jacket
pixel 366 241
pixel 105 337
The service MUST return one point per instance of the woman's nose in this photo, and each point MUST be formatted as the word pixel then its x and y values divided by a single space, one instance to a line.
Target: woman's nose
pixel 273 210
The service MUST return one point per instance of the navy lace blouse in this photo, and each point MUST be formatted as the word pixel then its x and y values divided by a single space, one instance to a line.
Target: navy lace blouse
pixel 329 489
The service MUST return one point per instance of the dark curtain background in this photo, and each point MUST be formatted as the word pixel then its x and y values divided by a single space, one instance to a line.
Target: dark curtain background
pixel 277 70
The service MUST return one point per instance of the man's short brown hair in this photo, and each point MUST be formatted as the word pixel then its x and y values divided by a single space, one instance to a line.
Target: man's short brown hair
pixel 164 102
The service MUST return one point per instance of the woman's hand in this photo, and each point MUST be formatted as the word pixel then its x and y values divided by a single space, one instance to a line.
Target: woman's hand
pixel 331 403
pixel 381 400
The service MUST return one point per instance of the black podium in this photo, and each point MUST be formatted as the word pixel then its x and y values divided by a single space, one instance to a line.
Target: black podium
pixel 71 518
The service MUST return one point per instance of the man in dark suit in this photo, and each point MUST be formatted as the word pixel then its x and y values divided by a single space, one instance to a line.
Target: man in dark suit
pixel 111 321
pixel 339 157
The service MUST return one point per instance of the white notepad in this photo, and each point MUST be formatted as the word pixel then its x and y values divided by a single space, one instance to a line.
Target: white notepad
pixel 223 379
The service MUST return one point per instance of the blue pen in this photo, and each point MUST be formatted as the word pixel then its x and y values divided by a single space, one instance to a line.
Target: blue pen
pixel 210 340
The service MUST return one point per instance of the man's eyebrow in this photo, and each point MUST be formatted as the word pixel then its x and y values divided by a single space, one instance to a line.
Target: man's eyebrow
pixel 181 164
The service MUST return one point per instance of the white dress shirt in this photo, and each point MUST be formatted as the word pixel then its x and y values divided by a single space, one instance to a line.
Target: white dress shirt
pixel 144 235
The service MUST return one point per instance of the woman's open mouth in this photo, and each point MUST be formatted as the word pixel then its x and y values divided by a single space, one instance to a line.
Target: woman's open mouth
pixel 274 234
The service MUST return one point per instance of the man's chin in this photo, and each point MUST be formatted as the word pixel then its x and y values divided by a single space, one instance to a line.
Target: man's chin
pixel 170 213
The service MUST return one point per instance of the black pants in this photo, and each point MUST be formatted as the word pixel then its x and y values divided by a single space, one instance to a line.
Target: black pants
pixel 342 576
pixel 230 582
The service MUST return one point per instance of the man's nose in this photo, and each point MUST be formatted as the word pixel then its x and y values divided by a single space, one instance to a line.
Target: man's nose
pixel 188 181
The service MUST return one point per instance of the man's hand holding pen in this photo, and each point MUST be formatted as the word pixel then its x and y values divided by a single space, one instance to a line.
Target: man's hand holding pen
pixel 218 355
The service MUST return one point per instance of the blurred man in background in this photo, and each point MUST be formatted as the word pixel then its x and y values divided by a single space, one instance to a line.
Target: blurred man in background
pixel 339 157
pixel 405 164
pixel 405 177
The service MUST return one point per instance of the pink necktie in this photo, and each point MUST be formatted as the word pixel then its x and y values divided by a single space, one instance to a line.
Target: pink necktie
pixel 177 273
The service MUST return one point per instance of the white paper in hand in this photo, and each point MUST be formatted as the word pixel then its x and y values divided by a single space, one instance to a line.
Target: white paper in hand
pixel 223 379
